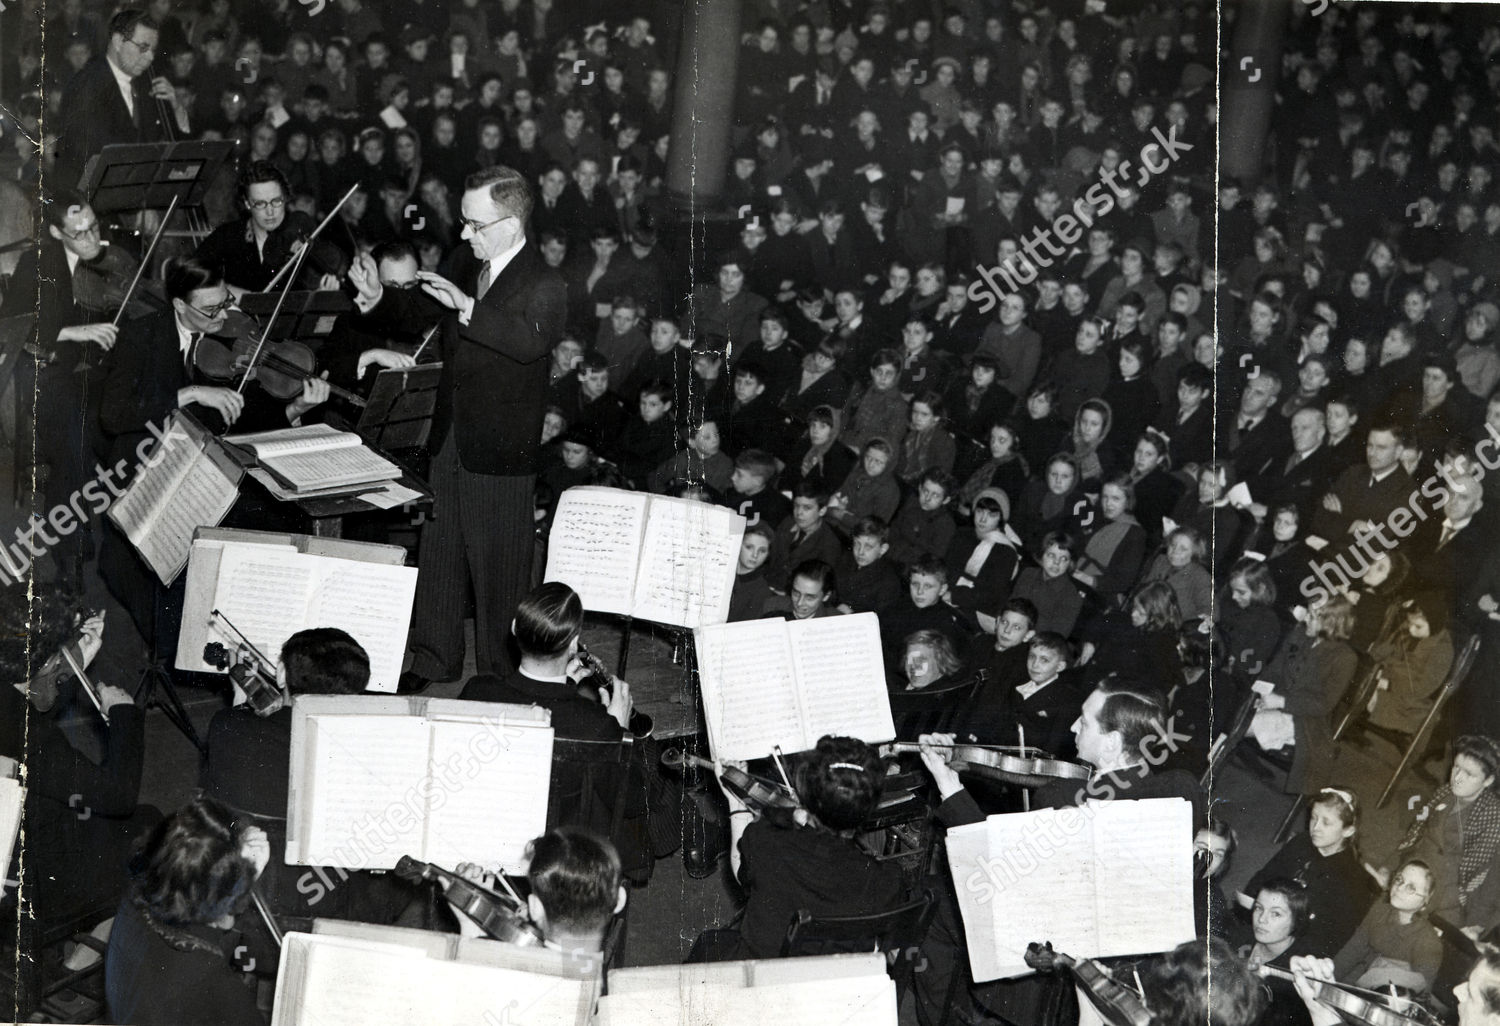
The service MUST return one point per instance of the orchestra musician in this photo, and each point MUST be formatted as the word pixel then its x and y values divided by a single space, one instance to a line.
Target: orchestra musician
pixel 112 101
pixel 252 249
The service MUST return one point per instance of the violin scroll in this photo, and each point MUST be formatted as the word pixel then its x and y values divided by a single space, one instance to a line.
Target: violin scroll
pixel 262 693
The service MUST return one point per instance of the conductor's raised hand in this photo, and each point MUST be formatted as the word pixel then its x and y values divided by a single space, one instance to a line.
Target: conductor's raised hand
pixel 364 275
pixel 445 292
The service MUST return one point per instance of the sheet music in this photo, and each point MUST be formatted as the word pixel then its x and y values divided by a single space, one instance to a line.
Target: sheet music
pixel 837 660
pixel 168 501
pixel 373 603
pixel 264 590
pixel 1070 862
pixel 345 982
pixel 497 799
pixel 863 1000
pixel 12 801
pixel 295 439
pixel 329 467
pixel 750 696
pixel 687 562
pixel 595 546
pixel 361 770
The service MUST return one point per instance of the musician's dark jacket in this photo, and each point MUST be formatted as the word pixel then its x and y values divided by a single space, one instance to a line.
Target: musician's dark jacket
pixel 148 982
pixel 494 384
pixel 93 115
pixel 577 718
pixel 43 285
pixel 231 247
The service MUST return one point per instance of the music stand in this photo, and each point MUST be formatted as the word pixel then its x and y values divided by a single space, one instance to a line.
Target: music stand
pixel 398 412
pixel 14 333
pixel 137 176
pixel 304 316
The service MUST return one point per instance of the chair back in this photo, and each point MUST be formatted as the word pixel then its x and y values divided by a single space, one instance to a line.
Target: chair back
pixel 897 932
pixel 602 769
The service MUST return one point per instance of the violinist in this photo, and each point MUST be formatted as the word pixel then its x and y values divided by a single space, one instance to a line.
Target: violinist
pixel 246 768
pixel 576 890
pixel 548 628
pixel 815 863
pixel 68 333
pixel 81 815
pixel 1478 994
pixel 252 249
pixel 361 344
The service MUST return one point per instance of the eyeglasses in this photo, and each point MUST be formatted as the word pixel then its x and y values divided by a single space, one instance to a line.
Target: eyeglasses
pixel 476 227
pixel 270 204
pixel 214 311
pixel 88 229
pixel 402 285
pixel 142 48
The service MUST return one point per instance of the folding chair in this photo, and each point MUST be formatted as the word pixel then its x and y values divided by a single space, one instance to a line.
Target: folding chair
pixel 1461 667
pixel 898 933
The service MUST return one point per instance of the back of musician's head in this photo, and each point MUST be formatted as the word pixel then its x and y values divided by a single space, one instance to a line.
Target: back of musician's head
pixel 258 172
pixel 548 619
pixel 1136 711
pixel 576 876
pixel 841 781
pixel 325 661
pixel 188 275
pixel 189 868
pixel 1178 992
pixel 57 204
pixel 507 188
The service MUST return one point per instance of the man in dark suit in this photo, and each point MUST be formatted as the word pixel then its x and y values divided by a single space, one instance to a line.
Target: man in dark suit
pixel 1299 479
pixel 1257 438
pixel 508 309
pixel 548 627
pixel 111 101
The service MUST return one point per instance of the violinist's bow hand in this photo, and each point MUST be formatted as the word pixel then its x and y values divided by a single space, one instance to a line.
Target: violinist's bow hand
pixel 936 761
pixel 111 696
pixel 256 846
pixel 91 638
pixel 387 358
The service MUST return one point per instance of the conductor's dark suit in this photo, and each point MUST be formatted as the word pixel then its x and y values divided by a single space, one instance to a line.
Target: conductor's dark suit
pixel 486 434
pixel 94 115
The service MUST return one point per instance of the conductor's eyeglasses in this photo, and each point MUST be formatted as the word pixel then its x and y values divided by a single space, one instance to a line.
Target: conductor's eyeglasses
pixel 402 285
pixel 476 227
pixel 143 48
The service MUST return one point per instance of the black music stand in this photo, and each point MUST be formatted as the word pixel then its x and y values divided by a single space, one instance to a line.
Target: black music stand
pixel 146 176
pixel 304 316
pixel 398 411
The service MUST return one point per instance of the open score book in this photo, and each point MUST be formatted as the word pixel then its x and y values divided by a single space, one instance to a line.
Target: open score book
pixel 316 457
pixel 788 682
pixel 376 777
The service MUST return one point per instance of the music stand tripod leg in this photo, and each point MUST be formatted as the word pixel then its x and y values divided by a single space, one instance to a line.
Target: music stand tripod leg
pixel 160 692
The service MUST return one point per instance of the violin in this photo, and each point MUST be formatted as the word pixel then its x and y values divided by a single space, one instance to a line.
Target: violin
pixel 280 370
pixel 760 795
pixel 250 671
pixel 1019 765
pixel 1368 1006
pixel 502 917
pixel 102 287
pixel 1119 1003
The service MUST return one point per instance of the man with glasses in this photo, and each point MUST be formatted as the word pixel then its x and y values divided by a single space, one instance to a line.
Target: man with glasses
pixel 72 332
pixel 113 101
pixel 252 249
pixel 507 310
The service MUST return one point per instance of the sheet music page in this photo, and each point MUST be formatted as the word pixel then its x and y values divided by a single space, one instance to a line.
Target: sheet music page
pixel 263 590
pixel 12 801
pixel 358 982
pixel 688 558
pixel 330 467
pixel 493 778
pixel 1150 843
pixel 750 696
pixel 862 1000
pixel 361 805
pixel 372 601
pixel 837 661
pixel 595 546
pixel 294 439
pixel 1007 867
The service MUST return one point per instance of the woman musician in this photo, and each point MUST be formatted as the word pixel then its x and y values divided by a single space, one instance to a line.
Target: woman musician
pixel 253 249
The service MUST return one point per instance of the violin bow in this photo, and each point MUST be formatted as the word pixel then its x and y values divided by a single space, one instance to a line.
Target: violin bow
pixel 265 662
pixel 265 334
pixel 145 259
pixel 426 339
pixel 76 666
pixel 296 258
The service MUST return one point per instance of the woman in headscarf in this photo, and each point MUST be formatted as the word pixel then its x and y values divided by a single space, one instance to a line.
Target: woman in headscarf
pixel 1090 429
pixel 1113 554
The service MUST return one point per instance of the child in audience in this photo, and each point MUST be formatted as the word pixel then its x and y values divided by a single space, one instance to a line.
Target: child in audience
pixel 751 494
pixel 1050 586
pixel 1183 567
pixel 650 434
pixel 928 445
pixel 752 590
pixel 1082 372
pixel 924 527
pixel 983 565
pixel 700 461
pixel 880 410
pixel 925 606
pixel 822 459
pixel 867 580
pixel 803 535
pixel 870 490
